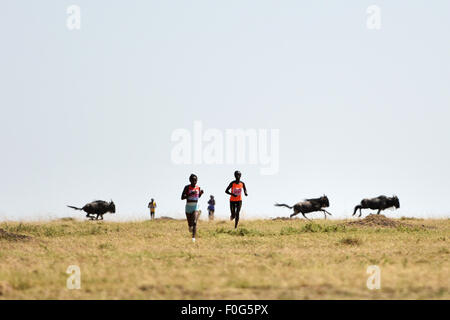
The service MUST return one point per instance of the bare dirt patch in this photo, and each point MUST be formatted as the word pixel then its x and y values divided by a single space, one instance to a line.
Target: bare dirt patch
pixel 379 220
pixel 12 236
pixel 66 219
pixel 281 218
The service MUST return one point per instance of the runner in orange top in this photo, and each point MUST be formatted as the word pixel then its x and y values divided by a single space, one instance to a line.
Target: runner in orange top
pixel 236 187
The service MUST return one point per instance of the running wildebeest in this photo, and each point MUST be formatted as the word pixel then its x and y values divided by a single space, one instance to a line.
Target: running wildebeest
pixel 309 205
pixel 380 203
pixel 98 208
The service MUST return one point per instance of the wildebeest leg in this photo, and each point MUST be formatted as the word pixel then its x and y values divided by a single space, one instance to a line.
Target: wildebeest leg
pixel 379 210
pixel 294 214
pixel 325 212
pixel 305 217
pixel 360 213
pixel 96 217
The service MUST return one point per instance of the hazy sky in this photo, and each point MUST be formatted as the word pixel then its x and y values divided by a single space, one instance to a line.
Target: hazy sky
pixel 89 114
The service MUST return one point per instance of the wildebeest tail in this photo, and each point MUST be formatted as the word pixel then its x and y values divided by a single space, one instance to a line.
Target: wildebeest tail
pixel 282 205
pixel 75 208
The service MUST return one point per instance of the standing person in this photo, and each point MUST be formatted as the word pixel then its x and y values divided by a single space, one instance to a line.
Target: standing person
pixel 152 206
pixel 236 188
pixel 192 193
pixel 211 204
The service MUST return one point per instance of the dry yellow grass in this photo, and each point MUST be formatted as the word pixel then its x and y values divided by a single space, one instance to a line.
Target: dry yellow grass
pixel 263 259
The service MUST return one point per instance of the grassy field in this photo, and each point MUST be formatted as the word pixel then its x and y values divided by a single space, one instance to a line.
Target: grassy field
pixel 263 259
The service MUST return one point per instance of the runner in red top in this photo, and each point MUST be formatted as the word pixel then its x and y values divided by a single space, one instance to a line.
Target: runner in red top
pixel 236 187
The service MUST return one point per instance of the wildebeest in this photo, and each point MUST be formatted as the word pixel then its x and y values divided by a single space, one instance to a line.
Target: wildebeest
pixel 98 207
pixel 309 205
pixel 380 203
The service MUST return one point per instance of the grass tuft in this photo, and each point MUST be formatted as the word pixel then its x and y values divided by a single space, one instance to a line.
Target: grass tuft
pixel 238 232
pixel 350 241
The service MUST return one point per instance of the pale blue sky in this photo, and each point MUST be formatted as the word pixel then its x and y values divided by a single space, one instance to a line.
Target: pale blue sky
pixel 89 114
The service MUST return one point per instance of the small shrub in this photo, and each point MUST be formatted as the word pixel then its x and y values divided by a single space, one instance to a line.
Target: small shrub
pixel 237 232
pixel 409 229
pixel 311 227
pixel 30 228
pixel 285 231
pixel 334 228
